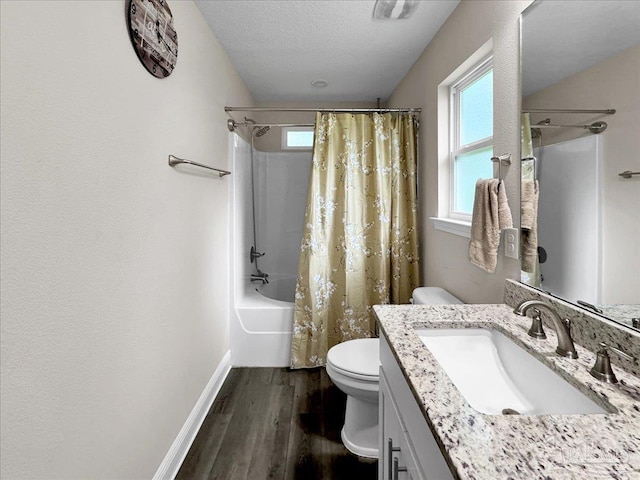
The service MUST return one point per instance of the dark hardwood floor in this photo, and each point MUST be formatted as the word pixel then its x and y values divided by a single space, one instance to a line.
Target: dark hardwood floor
pixel 275 423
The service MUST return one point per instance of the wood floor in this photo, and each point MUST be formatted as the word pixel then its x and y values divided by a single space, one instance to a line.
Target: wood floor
pixel 275 423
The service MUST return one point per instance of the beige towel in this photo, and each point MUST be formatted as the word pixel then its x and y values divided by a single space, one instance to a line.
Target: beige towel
pixel 529 225
pixel 491 214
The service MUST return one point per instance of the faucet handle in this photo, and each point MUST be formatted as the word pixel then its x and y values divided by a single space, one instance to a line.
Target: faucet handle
pixel 602 368
pixel 617 351
pixel 536 330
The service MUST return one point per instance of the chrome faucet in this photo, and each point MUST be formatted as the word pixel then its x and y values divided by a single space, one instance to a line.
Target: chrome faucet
pixel 260 277
pixel 566 348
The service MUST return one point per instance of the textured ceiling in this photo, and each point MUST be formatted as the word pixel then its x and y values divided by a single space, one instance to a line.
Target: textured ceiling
pixel 560 38
pixel 280 47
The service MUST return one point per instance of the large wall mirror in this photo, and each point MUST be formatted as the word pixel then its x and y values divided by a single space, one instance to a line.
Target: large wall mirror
pixel 581 153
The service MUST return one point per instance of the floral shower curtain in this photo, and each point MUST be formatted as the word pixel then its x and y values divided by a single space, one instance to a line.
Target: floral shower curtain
pixel 360 243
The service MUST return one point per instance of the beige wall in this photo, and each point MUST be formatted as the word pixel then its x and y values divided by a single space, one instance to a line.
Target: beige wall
pixel 471 25
pixel 114 266
pixel 612 83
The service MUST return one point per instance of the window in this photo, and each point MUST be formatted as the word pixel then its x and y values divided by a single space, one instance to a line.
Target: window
pixel 297 138
pixel 471 103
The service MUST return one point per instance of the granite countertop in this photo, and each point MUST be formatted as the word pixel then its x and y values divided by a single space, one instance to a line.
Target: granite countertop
pixel 493 447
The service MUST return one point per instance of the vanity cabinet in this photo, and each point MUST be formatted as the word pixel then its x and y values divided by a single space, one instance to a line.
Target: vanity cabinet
pixel 407 447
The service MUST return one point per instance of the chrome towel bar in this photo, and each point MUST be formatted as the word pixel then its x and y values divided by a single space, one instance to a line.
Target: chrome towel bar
pixel 173 161
pixel 628 174
pixel 608 111
pixel 502 159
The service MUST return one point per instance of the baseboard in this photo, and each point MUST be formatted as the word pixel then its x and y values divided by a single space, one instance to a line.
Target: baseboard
pixel 169 467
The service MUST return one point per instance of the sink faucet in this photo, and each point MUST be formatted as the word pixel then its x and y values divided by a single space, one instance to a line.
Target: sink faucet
pixel 260 277
pixel 566 347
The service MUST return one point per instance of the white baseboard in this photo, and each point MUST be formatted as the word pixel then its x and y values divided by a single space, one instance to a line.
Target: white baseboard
pixel 169 467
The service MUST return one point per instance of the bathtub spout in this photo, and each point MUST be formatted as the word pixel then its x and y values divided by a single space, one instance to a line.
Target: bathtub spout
pixel 260 277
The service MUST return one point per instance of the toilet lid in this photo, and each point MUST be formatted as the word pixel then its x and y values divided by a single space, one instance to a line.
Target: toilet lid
pixel 361 356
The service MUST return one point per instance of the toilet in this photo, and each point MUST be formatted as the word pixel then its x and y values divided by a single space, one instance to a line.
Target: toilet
pixel 353 367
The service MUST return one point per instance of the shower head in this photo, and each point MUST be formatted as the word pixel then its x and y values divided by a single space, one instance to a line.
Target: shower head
pixel 260 131
pixel 257 131
pixel 596 127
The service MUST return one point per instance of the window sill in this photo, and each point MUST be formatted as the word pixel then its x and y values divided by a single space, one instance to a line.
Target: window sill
pixel 456 227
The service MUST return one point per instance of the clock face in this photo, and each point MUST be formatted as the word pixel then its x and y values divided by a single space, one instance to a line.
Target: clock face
pixel 154 39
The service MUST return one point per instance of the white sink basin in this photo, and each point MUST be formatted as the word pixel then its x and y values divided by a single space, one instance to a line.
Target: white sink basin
pixel 494 374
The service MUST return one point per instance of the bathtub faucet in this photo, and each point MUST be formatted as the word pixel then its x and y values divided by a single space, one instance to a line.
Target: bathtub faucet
pixel 260 277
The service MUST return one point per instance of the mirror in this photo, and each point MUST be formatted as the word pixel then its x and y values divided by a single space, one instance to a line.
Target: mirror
pixel 580 218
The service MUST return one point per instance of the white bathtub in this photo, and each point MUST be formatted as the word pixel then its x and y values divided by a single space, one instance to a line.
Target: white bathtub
pixel 280 287
pixel 261 331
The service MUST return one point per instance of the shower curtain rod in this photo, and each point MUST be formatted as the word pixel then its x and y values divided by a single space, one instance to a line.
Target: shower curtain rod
pixel 245 124
pixel 609 111
pixel 331 110
pixel 232 124
pixel 596 127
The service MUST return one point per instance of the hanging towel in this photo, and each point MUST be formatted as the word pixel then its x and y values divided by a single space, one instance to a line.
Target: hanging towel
pixel 529 225
pixel 491 214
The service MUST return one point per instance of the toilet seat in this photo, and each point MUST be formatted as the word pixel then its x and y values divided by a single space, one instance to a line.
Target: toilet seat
pixel 358 359
pixel 356 376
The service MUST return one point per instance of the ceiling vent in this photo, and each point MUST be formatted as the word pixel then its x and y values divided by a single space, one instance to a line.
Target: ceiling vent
pixel 394 9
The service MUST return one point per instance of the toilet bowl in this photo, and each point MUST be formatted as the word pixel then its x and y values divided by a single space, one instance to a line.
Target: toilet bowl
pixel 354 366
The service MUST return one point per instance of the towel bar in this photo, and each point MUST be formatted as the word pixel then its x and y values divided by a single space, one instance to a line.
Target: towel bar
pixel 173 161
pixel 505 158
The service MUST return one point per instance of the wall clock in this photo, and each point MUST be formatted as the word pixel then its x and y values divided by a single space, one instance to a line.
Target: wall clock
pixel 153 36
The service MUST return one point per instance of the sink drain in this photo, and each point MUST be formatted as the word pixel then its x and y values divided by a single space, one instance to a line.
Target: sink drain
pixel 510 411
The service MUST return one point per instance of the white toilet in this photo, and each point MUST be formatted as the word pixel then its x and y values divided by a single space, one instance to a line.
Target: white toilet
pixel 354 366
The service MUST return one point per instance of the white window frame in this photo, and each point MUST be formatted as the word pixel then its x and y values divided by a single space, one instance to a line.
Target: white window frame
pixel 455 149
pixel 286 130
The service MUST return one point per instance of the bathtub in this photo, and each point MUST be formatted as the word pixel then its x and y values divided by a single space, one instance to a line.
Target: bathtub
pixel 261 329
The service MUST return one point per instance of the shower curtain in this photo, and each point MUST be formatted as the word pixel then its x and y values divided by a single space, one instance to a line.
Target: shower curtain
pixel 360 244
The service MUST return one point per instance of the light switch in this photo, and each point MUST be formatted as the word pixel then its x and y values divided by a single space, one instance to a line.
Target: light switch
pixel 512 243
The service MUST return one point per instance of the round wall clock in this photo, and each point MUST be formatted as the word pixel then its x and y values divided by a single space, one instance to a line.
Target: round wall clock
pixel 154 39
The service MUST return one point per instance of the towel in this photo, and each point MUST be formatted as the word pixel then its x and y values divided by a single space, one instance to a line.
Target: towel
pixel 529 225
pixel 491 214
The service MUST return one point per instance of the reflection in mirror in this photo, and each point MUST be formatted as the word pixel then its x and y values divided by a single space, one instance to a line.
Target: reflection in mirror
pixel 581 117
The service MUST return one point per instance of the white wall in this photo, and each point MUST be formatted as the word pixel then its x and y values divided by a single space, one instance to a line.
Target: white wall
pixel 281 186
pixel 612 83
pixel 241 238
pixel 472 24
pixel 281 200
pixel 114 266
pixel 569 218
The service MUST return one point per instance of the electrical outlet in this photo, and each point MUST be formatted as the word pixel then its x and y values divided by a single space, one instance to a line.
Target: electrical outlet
pixel 512 243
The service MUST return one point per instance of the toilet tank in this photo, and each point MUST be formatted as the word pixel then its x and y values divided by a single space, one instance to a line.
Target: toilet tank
pixel 432 296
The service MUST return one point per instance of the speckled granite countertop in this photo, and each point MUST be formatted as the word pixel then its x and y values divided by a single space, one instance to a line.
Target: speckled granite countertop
pixel 494 447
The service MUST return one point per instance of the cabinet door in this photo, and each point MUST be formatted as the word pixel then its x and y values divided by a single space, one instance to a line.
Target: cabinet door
pixel 422 454
pixel 395 461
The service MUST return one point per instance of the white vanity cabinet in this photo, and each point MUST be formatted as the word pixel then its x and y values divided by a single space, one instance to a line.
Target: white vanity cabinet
pixel 407 447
